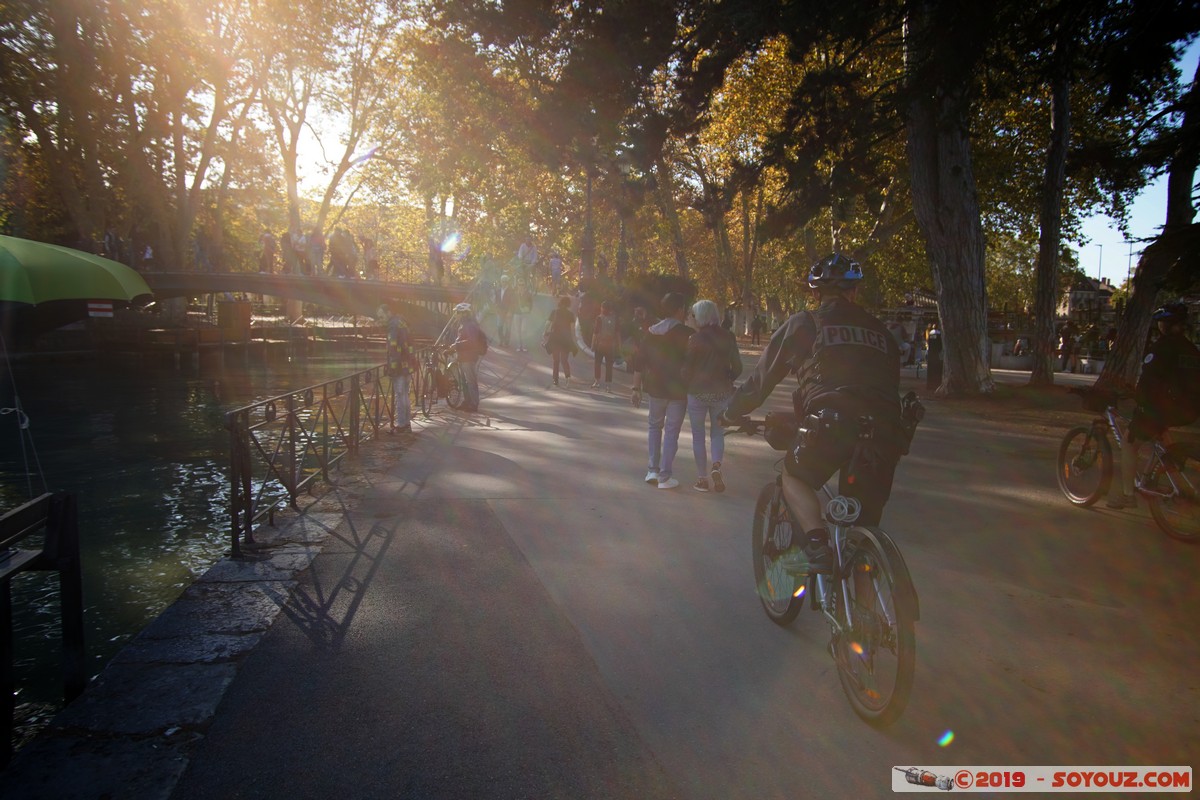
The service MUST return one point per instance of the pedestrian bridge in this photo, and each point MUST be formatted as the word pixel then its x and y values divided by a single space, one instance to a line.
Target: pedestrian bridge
pixel 349 296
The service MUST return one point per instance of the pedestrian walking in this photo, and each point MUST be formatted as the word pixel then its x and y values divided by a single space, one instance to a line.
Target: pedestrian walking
pixel 710 366
pixel 559 339
pixel 662 379
pixel 757 326
pixel 605 342
pixel 635 348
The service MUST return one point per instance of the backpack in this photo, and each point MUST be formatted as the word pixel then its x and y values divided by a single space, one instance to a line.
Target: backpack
pixel 606 331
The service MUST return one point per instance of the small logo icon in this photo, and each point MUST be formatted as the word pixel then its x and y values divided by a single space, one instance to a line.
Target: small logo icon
pixel 923 777
pixel 964 779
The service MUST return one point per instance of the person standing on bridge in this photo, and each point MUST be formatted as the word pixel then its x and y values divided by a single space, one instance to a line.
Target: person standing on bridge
pixel 400 364
pixel 471 344
pixel 266 253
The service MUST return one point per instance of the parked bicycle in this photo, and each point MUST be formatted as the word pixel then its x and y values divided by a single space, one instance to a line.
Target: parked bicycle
pixel 441 377
pixel 868 599
pixel 1169 480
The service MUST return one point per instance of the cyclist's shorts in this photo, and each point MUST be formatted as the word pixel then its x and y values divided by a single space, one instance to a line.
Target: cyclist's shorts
pixel 1145 426
pixel 815 464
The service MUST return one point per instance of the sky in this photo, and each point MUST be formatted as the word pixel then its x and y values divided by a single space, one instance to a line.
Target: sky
pixel 1108 255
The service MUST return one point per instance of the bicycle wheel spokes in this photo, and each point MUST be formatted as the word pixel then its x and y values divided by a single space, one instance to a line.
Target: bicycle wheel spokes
pixel 876 653
pixel 455 380
pixel 771 535
pixel 1179 514
pixel 1085 466
pixel 428 391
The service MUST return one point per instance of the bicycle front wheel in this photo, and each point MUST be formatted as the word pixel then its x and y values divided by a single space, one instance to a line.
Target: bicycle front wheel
pixel 456 381
pixel 1177 513
pixel 876 652
pixel 428 389
pixel 772 535
pixel 1085 465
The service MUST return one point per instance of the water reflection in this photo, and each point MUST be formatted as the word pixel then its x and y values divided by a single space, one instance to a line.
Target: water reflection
pixel 143 447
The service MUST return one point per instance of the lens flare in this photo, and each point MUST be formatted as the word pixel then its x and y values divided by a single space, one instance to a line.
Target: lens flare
pixel 450 243
pixel 799 591
pixel 857 648
pixel 946 739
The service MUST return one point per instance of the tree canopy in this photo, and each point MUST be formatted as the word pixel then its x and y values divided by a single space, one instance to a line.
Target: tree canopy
pixel 953 147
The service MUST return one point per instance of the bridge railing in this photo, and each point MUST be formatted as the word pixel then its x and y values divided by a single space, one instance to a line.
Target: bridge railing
pixel 54 518
pixel 280 446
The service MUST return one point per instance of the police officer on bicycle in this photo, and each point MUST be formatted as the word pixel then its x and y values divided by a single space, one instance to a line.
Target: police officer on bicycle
pixel 1165 394
pixel 847 363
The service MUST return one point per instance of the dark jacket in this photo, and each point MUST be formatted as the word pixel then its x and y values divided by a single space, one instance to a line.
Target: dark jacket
pixel 712 361
pixel 562 329
pixel 665 348
pixel 470 342
pixel 1165 389
pixel 844 358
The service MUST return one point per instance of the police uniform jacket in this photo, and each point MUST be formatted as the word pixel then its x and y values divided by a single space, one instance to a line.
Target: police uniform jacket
pixel 844 358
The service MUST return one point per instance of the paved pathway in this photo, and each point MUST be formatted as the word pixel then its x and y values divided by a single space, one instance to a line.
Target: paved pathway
pixel 501 607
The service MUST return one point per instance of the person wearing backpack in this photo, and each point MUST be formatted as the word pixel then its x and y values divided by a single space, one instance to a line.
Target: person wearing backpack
pixel 605 342
pixel 662 377
pixel 1166 394
pixel 471 344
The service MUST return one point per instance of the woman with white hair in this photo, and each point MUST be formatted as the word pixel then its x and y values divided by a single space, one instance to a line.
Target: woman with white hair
pixel 709 369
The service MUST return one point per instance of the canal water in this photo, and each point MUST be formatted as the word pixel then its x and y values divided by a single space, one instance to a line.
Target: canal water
pixel 143 447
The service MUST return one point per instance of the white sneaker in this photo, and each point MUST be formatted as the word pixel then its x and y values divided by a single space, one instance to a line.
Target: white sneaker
pixel 652 477
pixel 595 384
pixel 669 483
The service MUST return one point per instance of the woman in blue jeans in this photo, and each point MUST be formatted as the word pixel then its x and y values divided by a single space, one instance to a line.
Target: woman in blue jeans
pixel 709 369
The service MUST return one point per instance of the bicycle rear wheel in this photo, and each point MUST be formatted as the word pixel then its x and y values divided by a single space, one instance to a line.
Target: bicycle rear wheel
pixel 876 654
pixel 428 389
pixel 1085 466
pixel 456 394
pixel 772 534
pixel 1179 514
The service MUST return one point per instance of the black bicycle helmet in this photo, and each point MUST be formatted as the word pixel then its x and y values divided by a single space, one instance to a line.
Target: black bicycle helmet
pixel 1171 312
pixel 835 270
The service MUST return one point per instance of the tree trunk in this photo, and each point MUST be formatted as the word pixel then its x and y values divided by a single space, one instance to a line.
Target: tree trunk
pixel 947 209
pixel 1046 294
pixel 1124 361
pixel 666 204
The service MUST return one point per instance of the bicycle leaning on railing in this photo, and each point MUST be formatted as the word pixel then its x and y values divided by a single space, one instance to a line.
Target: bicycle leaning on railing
pixel 441 377
pixel 1169 481
pixel 868 599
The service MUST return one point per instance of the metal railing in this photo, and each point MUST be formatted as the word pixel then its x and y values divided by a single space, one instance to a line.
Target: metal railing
pixel 280 446
pixel 55 515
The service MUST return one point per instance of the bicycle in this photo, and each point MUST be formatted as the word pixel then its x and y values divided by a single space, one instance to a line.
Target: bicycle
pixel 1169 480
pixel 441 376
pixel 868 599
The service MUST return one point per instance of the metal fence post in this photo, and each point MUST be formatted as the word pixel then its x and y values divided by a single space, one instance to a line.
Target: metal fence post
pixel 292 479
pixel 62 534
pixel 355 411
